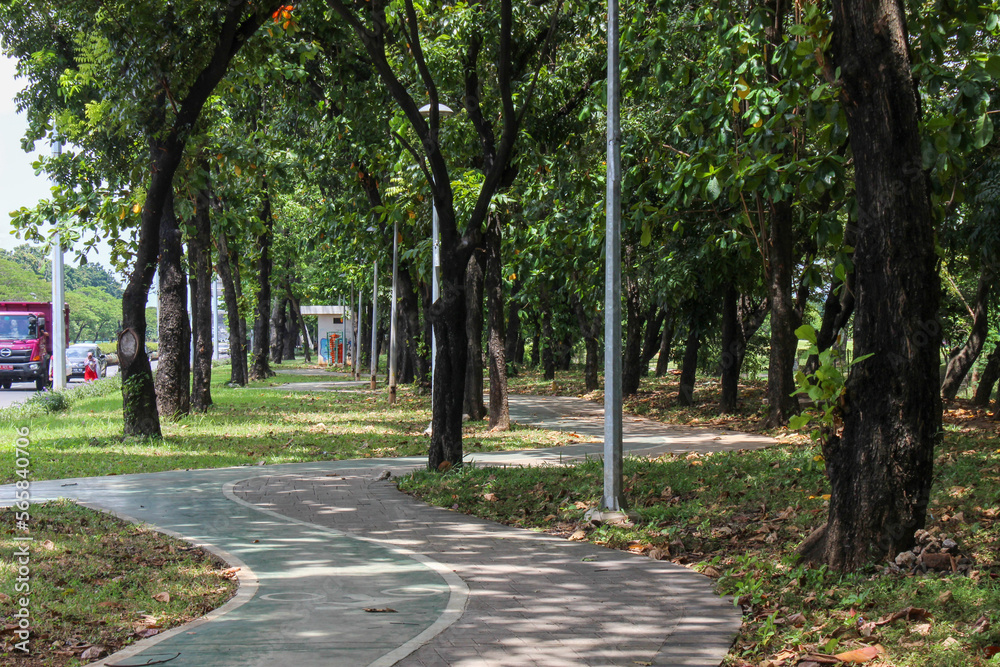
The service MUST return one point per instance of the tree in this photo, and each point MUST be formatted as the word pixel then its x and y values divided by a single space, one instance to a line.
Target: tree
pixel 880 466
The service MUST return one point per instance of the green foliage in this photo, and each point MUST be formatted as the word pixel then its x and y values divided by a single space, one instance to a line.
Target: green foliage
pixel 824 387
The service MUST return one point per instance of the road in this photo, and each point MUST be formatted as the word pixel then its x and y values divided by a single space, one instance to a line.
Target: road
pixel 22 391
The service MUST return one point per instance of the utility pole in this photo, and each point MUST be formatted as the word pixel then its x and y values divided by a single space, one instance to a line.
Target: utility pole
pixel 58 326
pixel 613 498
pixel 392 314
pixel 374 325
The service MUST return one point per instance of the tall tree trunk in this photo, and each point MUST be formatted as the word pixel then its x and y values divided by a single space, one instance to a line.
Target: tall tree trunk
pixel 200 261
pixel 837 312
pixel 166 151
pixel 448 391
pixel 277 329
pixel 474 406
pixel 237 333
pixel 656 317
pixel 689 369
pixel 291 334
pixel 296 312
pixel 666 339
pixel 409 318
pixel 733 350
pixel 741 318
pixel 548 342
pixel 515 342
pixel 261 369
pixel 962 361
pixel 173 369
pixel 634 320
pixel 988 379
pixel 880 468
pixel 591 326
pixel 497 336
pixel 784 342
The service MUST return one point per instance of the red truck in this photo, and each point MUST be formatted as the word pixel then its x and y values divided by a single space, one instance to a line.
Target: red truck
pixel 25 347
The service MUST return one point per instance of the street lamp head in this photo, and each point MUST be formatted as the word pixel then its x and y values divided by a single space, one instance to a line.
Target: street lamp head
pixel 56 148
pixel 443 110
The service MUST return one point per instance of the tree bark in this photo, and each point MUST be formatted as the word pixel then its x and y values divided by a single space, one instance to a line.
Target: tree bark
pixel 261 368
pixel 634 321
pixel 200 260
pixel 988 379
pixel 296 310
pixel 784 342
pixel 837 312
pixel 409 318
pixel 514 343
pixel 591 327
pixel 666 339
pixel 474 406
pixel 962 361
pixel 655 320
pixel 548 354
pixel 291 334
pixel 880 468
pixel 277 329
pixel 742 316
pixel 173 370
pixel 237 334
pixel 689 369
pixel 733 350
pixel 499 410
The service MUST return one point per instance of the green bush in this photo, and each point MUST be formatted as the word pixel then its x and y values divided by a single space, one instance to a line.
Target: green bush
pixel 50 401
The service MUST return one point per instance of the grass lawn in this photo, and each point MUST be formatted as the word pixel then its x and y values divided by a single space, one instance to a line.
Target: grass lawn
pixel 98 583
pixel 738 518
pixel 247 425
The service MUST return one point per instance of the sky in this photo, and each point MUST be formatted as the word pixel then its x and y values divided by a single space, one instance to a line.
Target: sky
pixel 19 186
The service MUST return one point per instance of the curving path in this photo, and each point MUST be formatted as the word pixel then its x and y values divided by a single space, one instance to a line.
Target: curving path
pixel 318 543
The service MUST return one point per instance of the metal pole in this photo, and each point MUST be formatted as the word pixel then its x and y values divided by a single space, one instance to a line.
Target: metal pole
pixel 613 499
pixel 374 325
pixel 215 319
pixel 392 315
pixel 58 341
pixel 435 286
pixel 357 337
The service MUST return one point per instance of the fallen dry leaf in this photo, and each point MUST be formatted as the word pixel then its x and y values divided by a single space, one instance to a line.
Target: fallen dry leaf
pixel 4 597
pixel 93 653
pixel 862 654
pixel 578 535
pixel 48 545
pixel 380 610
pixel 981 625
pixel 949 642
pixel 909 614
pixel 162 597
pixel 491 497
pixel 922 629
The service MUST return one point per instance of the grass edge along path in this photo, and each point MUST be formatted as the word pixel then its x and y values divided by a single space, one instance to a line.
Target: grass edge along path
pixel 98 583
pixel 741 528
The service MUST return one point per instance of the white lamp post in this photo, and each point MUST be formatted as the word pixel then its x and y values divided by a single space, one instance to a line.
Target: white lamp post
pixel 443 110
pixel 58 303
pixel 374 324
pixel 392 314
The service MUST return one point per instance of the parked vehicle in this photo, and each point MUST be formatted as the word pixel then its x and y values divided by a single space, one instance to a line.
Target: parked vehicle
pixel 76 357
pixel 25 342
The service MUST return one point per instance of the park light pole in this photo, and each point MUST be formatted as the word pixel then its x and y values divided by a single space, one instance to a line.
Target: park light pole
pixel 58 302
pixel 613 498
pixel 392 313
pixel 374 324
pixel 443 111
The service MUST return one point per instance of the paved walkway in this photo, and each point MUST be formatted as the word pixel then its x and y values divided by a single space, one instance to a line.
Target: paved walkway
pixel 319 543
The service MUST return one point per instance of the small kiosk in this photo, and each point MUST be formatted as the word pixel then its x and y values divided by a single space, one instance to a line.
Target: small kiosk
pixel 333 333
